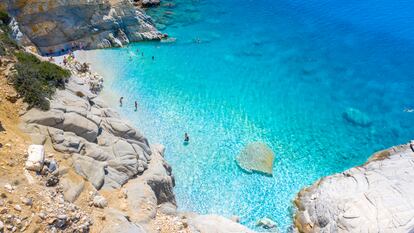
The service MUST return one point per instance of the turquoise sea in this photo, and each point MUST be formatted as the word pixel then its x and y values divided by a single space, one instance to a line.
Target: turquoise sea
pixel 281 72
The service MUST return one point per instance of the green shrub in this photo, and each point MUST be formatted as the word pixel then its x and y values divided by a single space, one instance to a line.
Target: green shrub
pixel 7 41
pixel 4 17
pixel 37 80
pixel 2 49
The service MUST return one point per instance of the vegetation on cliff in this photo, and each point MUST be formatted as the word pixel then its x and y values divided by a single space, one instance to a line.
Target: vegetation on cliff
pixel 37 80
pixel 34 80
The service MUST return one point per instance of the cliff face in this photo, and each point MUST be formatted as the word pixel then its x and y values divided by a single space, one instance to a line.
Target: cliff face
pixel 375 197
pixel 55 26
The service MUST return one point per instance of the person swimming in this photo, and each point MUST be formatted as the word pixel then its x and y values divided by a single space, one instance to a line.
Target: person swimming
pixel 120 101
pixel 186 139
pixel 153 58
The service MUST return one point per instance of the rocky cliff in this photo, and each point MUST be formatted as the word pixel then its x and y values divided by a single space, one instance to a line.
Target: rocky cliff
pixel 55 26
pixel 375 197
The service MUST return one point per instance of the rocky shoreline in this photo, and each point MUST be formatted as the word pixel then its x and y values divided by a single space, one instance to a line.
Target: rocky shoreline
pixel 374 197
pixel 55 27
pixel 115 158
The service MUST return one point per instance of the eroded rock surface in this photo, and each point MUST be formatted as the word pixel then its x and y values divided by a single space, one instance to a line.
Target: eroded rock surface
pixel 56 26
pixel 106 150
pixel 375 197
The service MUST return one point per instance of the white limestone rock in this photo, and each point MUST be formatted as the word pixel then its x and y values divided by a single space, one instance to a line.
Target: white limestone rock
pixel 36 158
pixel 375 197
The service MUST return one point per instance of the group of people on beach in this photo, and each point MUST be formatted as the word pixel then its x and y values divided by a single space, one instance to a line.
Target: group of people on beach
pixel 186 137
pixel 69 58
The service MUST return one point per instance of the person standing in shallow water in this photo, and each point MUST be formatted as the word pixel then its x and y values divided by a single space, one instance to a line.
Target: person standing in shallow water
pixel 186 139
pixel 120 101
pixel 136 105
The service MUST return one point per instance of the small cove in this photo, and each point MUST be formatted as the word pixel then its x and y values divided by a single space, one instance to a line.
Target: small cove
pixel 279 72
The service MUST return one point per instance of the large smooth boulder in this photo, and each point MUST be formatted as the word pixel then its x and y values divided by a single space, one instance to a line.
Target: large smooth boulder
pixel 374 197
pixel 159 176
pixel 356 117
pixel 141 200
pixel 72 186
pixel 90 169
pixel 256 157
pixel 65 141
pixel 81 126
pixel 51 118
pixel 121 129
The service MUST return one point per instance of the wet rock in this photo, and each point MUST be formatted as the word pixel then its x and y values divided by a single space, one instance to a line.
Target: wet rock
pixel 266 223
pixel 257 157
pixel 356 117
pixel 149 3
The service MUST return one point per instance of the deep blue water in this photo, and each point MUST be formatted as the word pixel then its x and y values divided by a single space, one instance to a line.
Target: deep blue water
pixel 281 72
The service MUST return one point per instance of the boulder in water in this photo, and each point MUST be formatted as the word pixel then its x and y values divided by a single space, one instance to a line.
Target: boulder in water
pixel 356 117
pixel 257 157
pixel 266 223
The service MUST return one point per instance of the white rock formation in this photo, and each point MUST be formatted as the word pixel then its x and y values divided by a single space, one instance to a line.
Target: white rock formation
pixel 375 197
pixel 57 26
pixel 36 157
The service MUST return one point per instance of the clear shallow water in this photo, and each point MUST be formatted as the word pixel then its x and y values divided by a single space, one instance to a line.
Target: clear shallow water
pixel 280 72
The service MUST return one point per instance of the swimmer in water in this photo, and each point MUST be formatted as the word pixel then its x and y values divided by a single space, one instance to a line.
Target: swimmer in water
pixel 120 101
pixel 186 138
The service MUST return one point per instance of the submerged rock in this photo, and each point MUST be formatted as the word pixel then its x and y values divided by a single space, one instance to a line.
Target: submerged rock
pixel 257 157
pixel 356 117
pixel 266 223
